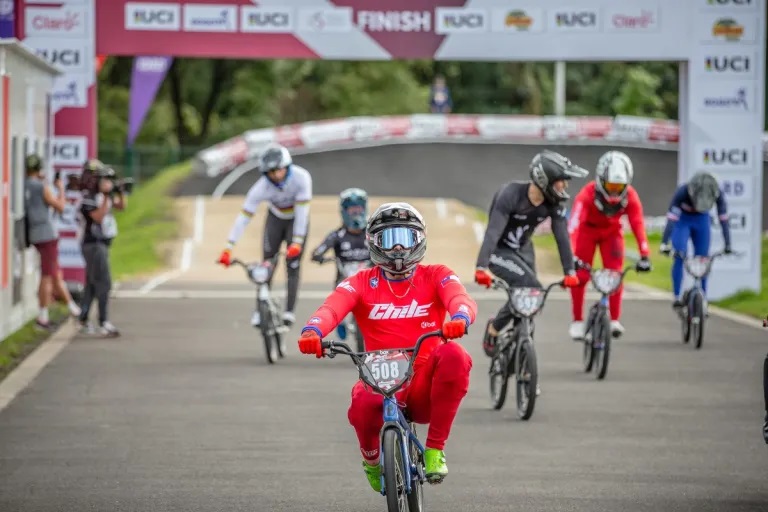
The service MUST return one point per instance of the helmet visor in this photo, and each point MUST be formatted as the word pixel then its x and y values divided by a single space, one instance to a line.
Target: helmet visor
pixel 614 189
pixel 389 238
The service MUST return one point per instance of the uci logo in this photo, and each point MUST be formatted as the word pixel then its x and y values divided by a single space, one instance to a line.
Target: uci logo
pixel 738 64
pixel 67 152
pixel 68 58
pixel 159 17
pixel 576 19
pixel 725 156
pixel 463 21
pixel 272 19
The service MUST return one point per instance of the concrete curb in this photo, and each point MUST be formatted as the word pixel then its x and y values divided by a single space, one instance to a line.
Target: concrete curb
pixel 30 367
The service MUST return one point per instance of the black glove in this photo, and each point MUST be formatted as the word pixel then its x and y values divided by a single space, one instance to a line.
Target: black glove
pixel 644 265
pixel 765 429
pixel 728 249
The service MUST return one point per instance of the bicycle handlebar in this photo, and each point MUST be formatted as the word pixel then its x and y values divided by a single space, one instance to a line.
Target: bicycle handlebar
pixel 499 283
pixel 339 347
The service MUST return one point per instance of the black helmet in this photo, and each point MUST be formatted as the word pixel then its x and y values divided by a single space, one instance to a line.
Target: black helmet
pixel 274 157
pixel 548 167
pixel 704 191
pixel 394 224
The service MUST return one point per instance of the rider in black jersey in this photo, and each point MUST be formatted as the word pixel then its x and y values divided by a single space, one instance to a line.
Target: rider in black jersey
pixel 516 209
pixel 348 241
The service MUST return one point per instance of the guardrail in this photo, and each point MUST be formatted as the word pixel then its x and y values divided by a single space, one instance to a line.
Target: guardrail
pixel 521 129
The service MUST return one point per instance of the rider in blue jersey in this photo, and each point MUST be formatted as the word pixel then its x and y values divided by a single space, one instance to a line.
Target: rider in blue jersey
pixel 688 217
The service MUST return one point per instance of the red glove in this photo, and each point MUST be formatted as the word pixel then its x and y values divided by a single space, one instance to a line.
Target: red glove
pixel 293 251
pixel 310 343
pixel 454 329
pixel 225 258
pixel 483 278
pixel 570 281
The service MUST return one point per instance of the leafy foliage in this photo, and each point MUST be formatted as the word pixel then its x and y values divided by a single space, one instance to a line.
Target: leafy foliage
pixel 203 101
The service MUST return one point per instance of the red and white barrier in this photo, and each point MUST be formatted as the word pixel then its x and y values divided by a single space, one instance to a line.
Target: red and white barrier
pixel 227 155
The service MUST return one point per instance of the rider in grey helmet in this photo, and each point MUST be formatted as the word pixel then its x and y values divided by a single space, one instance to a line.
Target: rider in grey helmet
pixel 688 217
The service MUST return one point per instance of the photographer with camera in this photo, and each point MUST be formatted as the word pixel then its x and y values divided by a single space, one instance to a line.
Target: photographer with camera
pixel 102 192
pixel 41 233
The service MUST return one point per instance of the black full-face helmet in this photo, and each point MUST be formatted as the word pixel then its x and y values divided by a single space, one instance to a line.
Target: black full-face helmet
pixel 548 167
pixel 397 237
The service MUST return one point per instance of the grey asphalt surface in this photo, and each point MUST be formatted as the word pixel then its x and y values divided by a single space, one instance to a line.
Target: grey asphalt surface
pixel 468 172
pixel 183 414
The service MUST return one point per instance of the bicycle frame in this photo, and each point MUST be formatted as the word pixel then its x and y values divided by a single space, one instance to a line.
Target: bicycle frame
pixel 601 305
pixel 393 414
pixel 697 279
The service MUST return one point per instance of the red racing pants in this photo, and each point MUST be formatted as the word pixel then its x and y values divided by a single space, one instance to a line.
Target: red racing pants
pixel 611 243
pixel 433 396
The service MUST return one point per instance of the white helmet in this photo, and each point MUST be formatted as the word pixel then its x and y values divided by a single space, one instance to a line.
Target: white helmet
pixel 614 176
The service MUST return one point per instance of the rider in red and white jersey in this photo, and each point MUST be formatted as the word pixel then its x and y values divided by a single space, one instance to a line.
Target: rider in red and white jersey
pixel 394 303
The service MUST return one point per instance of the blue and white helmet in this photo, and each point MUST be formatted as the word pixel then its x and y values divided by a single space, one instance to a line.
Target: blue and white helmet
pixel 354 207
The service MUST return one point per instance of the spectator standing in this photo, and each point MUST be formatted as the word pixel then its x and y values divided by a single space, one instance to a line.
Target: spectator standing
pixel 440 101
pixel 41 233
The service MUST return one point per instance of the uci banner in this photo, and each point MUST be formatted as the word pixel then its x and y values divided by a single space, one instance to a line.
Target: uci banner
pixel 148 74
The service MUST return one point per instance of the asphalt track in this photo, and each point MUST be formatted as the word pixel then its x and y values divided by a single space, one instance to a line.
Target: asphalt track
pixel 183 413
pixel 468 172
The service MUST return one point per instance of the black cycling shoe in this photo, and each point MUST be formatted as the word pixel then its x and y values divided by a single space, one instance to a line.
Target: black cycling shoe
pixel 489 342
pixel 765 429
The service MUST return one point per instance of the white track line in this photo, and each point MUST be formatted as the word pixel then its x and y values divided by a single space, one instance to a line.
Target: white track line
pixel 230 179
pixel 156 281
pixel 442 208
pixel 460 219
pixel 30 367
pixel 479 231
pixel 186 256
pixel 199 219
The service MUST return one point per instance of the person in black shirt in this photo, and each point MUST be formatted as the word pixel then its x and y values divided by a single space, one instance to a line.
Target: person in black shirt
pixel 97 183
pixel 516 209
pixel 348 242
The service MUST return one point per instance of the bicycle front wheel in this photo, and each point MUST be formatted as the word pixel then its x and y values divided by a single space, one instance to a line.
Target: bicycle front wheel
pixel 394 471
pixel 416 496
pixel 603 350
pixel 268 332
pixel 499 379
pixel 527 374
pixel 697 319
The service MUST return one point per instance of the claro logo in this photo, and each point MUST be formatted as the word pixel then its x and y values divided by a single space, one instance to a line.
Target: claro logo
pixel 56 22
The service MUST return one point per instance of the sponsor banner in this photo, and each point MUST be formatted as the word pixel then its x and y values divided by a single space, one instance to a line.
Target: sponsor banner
pixel 731 5
pixel 450 20
pixel 727 27
pixel 714 62
pixel 629 19
pixel 210 18
pixel 394 21
pixel 7 19
pixel 574 20
pixel 70 90
pixel 158 17
pixel 738 187
pixel 721 98
pixel 69 151
pixel 518 20
pixel 338 20
pixel 737 157
pixel 60 21
pixel 69 55
pixel 267 20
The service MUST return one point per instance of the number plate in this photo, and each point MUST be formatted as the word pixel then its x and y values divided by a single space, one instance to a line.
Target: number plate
pixel 527 301
pixel 606 281
pixel 260 273
pixel 386 369
pixel 697 265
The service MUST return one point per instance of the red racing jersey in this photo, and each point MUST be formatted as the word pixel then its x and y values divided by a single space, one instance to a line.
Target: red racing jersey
pixel 393 314
pixel 586 215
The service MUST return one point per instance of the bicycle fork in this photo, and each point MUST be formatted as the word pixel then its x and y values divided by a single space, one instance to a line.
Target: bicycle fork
pixel 394 419
pixel 596 313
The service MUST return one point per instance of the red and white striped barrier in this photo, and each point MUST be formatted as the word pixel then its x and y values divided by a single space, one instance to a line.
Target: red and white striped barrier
pixel 227 155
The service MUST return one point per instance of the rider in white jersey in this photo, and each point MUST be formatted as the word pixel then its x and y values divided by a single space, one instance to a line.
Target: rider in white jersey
pixel 287 188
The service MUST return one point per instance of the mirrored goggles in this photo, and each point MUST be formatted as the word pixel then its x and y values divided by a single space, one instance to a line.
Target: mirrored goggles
pixel 391 237
pixel 614 189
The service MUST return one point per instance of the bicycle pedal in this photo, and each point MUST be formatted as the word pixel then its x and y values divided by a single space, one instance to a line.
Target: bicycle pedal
pixel 435 479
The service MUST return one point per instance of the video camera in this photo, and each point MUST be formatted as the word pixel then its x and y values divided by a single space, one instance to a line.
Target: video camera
pixel 94 171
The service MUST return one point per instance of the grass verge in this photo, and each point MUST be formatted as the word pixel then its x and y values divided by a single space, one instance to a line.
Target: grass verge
pixel 21 343
pixel 147 224
pixel 746 302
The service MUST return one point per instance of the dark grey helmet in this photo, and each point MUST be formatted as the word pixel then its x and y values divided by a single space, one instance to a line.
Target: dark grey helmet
pixel 393 225
pixel 704 191
pixel 547 167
